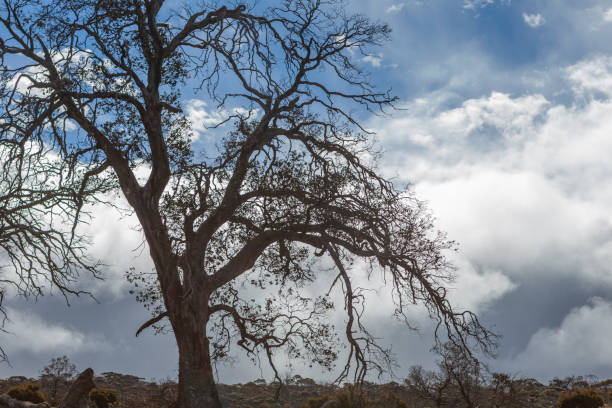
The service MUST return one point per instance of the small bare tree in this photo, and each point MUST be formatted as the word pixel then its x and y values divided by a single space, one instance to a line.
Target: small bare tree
pixel 291 179
pixel 505 392
pixel 464 372
pixel 57 373
pixel 428 385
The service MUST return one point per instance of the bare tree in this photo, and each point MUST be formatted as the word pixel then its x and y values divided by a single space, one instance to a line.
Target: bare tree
pixel 292 180
pixel 464 372
pixel 505 392
pixel 428 385
pixel 55 374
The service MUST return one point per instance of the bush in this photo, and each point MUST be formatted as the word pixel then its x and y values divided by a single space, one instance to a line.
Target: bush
pixel 103 398
pixel 344 399
pixel 27 392
pixel 586 398
pixel 389 400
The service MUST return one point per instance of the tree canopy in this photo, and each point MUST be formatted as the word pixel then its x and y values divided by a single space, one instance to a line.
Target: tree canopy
pixel 289 182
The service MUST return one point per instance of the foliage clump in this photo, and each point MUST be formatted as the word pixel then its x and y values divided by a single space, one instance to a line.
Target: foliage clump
pixel 27 392
pixel 352 398
pixel 103 398
pixel 584 398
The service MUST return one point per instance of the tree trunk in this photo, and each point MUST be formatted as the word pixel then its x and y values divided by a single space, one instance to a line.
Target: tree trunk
pixel 196 386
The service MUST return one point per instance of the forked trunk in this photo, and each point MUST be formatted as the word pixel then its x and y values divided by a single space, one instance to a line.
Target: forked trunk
pixel 196 386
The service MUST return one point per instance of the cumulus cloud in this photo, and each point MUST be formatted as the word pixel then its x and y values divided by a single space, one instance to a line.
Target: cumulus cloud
pixel 452 134
pixel 201 116
pixel 477 290
pixel 515 180
pixel 30 333
pixel 580 343
pixel 608 15
pixel 533 20
pixel 517 221
pixel 119 245
pixel 592 75
pixel 520 183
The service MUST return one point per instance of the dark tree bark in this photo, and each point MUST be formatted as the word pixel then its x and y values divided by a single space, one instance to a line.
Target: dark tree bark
pixel 292 178
pixel 196 385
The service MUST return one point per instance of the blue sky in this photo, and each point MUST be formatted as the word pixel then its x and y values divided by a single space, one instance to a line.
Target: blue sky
pixel 474 49
pixel 504 129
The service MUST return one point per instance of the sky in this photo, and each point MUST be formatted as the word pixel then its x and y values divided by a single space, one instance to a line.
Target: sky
pixel 503 127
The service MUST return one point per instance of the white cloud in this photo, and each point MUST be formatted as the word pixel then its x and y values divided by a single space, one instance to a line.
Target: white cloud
pixel 517 181
pixel 592 75
pixel 443 132
pixel 476 290
pixel 533 20
pixel 579 343
pixel 203 118
pixel 396 8
pixel 521 183
pixel 476 4
pixel 514 221
pixel 119 245
pixel 472 4
pixel 608 15
pixel 30 333
pixel 374 60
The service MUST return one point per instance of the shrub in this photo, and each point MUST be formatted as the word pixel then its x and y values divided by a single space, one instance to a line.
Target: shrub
pixel 389 400
pixel 344 399
pixel 586 398
pixel 27 392
pixel 103 398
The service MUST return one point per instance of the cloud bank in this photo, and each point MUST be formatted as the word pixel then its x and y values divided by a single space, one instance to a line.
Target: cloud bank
pixel 30 333
pixel 520 183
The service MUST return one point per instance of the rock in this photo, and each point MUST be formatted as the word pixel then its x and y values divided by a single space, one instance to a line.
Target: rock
pixel 8 402
pixel 78 393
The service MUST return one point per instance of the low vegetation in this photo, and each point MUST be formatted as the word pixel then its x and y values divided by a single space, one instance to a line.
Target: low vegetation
pixel 585 398
pixel 501 391
pixel 103 398
pixel 456 383
pixel 349 399
pixel 27 392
